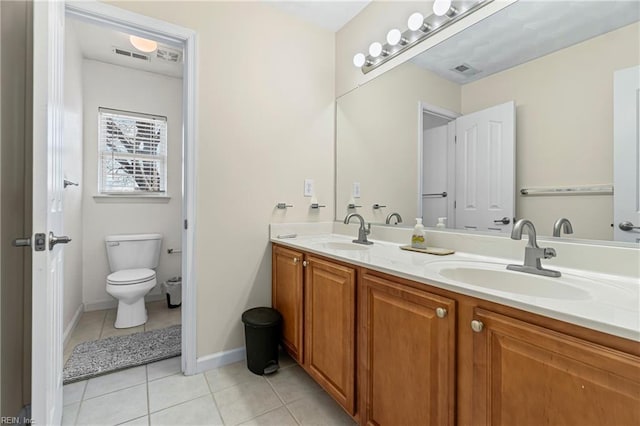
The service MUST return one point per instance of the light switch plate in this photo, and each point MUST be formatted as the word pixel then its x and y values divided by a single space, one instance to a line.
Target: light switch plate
pixel 308 187
pixel 356 190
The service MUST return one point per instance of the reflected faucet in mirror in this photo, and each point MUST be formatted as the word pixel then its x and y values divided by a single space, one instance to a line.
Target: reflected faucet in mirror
pixel 562 225
pixel 532 252
pixel 362 231
pixel 392 215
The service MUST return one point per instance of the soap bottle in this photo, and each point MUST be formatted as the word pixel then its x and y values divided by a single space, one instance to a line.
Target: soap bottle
pixel 417 238
pixel 441 223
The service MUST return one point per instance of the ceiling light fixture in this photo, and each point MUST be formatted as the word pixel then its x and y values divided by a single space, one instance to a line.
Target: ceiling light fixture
pixel 419 29
pixel 143 44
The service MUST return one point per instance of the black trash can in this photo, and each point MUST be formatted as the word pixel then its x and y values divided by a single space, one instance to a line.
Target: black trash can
pixel 262 333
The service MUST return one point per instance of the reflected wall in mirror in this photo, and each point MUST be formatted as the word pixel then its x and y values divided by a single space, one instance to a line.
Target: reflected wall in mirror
pixel 558 62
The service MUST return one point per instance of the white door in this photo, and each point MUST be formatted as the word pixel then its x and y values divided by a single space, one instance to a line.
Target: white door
pixel 626 155
pixel 46 368
pixel 485 169
pixel 434 175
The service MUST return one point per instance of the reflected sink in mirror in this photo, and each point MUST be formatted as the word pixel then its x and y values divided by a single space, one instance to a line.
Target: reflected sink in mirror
pixel 343 246
pixel 497 277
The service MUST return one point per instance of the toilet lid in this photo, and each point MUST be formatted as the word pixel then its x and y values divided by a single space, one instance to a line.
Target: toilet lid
pixel 131 276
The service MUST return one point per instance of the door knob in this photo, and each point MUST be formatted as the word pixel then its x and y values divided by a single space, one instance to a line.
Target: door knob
pixel 53 240
pixel 627 226
pixel 505 221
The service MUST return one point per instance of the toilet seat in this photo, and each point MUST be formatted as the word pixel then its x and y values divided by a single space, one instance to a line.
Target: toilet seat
pixel 131 276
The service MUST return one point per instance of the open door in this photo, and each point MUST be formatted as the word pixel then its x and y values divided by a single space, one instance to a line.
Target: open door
pixel 485 169
pixel 48 57
pixel 626 155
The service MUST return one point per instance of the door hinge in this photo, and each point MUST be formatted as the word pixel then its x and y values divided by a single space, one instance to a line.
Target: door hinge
pixel 454 204
pixel 455 139
pixel 186 224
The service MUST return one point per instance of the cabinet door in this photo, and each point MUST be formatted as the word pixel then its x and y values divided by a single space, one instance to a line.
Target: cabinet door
pixel 407 363
pixel 286 297
pixel 330 328
pixel 529 375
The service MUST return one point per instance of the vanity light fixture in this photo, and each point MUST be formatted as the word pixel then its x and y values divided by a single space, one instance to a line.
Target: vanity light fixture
pixel 445 13
pixel 143 44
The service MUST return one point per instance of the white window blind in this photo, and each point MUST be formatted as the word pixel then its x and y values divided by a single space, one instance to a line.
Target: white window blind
pixel 133 152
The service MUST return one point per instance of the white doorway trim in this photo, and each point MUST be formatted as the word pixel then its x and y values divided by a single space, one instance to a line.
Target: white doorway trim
pixel 424 107
pixel 144 26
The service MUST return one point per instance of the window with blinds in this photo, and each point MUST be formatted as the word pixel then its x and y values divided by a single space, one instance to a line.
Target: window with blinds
pixel 133 153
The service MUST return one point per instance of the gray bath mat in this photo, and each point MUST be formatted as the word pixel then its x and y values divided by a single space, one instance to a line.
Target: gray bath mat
pixel 98 357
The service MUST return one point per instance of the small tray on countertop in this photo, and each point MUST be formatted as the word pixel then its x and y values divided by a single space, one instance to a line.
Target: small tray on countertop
pixel 430 250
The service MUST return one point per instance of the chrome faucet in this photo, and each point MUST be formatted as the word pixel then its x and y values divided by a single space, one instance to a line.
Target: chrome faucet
pixel 397 216
pixel 362 232
pixel 532 253
pixel 562 224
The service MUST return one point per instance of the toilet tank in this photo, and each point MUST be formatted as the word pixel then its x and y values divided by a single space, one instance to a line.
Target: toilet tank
pixel 133 251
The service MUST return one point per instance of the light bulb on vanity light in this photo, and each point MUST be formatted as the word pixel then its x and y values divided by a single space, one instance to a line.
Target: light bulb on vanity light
pixel 359 59
pixel 394 37
pixel 415 21
pixel 440 7
pixel 375 49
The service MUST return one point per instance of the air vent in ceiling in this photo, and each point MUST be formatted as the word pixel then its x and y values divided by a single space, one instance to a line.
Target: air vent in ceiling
pixel 168 54
pixel 465 69
pixel 130 54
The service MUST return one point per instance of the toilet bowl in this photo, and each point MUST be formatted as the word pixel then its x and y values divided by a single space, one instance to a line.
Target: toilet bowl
pixel 132 260
pixel 129 287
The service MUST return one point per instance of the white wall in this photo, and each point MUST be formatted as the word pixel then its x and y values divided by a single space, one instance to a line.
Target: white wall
pixel 116 87
pixel 265 123
pixel 72 163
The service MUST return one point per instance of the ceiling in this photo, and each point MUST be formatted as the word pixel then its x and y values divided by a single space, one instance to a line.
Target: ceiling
pixel 329 14
pixel 524 31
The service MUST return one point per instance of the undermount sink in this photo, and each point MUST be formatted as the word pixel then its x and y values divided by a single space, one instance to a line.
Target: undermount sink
pixel 334 245
pixel 497 277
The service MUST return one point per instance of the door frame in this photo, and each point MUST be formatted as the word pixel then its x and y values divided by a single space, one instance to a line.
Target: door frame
pixel 144 26
pixel 424 107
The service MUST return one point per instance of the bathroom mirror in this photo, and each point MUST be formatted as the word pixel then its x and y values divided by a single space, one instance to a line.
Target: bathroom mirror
pixel 558 63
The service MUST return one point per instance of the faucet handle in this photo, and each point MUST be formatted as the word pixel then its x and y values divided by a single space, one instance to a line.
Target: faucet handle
pixel 549 252
pixel 368 230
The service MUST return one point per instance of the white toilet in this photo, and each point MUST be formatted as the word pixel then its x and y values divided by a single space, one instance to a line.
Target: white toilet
pixel 132 260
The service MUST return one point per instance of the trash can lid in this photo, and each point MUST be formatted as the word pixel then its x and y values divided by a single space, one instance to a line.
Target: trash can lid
pixel 261 317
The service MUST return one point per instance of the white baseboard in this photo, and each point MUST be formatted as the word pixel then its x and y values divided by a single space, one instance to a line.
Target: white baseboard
pixel 211 361
pixel 112 304
pixel 72 325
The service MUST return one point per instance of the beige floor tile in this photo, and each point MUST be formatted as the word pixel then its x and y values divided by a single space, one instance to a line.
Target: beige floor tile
pixel 319 409
pixel 292 383
pixel 230 375
pixel 70 414
pixel 112 331
pixel 284 360
pixel 140 421
pixel 114 408
pixel 73 392
pixel 92 317
pixel 200 411
pixel 115 381
pixel 278 417
pixel 246 401
pixel 164 368
pixel 172 390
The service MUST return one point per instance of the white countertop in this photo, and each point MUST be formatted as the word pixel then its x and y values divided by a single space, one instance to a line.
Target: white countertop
pixel 609 303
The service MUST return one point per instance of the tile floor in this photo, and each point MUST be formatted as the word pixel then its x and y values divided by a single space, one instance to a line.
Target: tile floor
pixel 99 324
pixel 158 394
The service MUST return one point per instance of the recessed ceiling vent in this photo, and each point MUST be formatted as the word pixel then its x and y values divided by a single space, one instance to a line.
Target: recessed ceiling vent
pixel 465 69
pixel 168 54
pixel 135 55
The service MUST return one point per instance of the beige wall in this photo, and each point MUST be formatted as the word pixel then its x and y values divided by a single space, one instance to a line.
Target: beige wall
pixel 265 123
pixel 564 126
pixel 377 133
pixel 72 163
pixel 111 86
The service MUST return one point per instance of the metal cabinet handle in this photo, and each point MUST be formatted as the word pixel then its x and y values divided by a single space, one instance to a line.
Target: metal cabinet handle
pixel 441 312
pixel 296 260
pixel 627 226
pixel 305 263
pixel 477 326
pixel 505 221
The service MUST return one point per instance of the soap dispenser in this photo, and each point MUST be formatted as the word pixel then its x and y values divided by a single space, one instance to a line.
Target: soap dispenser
pixel 418 240
pixel 441 223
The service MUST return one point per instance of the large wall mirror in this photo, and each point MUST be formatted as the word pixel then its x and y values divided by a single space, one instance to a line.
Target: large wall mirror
pixel 530 113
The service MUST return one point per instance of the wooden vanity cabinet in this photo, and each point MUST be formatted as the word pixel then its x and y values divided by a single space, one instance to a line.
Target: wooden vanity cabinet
pixel 524 374
pixel 287 297
pixel 407 354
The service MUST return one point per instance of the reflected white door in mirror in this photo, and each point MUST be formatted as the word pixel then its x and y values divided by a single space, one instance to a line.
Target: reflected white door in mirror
pixel 468 169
